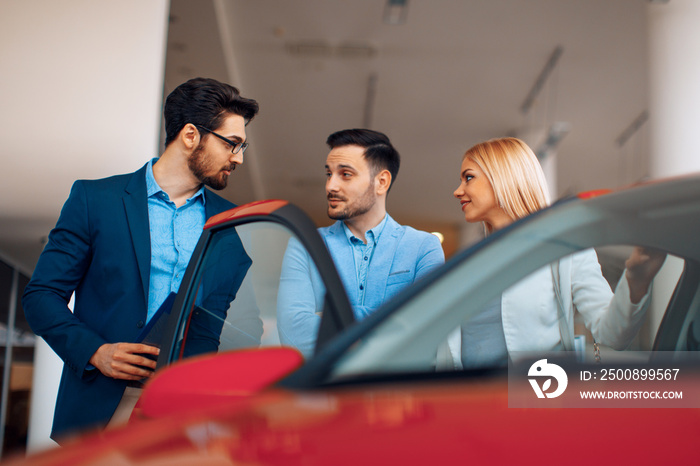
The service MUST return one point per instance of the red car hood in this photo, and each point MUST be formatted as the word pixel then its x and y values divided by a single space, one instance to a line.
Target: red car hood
pixel 417 423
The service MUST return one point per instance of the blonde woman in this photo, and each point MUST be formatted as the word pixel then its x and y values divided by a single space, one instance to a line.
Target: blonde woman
pixel 501 181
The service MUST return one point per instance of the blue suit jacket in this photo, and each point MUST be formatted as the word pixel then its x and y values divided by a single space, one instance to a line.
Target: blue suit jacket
pixel 402 256
pixel 101 249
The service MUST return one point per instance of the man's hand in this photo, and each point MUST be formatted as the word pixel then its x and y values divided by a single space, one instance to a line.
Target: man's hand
pixel 124 360
pixel 642 266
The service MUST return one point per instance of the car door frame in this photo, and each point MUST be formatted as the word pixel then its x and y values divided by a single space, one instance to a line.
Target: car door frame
pixel 337 313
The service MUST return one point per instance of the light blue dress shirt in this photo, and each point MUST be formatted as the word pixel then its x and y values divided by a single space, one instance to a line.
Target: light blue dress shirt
pixel 174 235
pixel 362 254
pixel 397 256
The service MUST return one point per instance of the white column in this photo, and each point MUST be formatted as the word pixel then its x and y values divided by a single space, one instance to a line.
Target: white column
pixel 674 112
pixel 80 78
pixel 543 140
pixel 47 374
pixel 674 48
pixel 549 167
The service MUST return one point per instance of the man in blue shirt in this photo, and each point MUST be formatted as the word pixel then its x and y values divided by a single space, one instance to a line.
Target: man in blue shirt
pixel 122 244
pixel 375 256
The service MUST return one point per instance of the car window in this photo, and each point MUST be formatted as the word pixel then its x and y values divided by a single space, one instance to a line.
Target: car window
pixel 612 261
pixel 479 313
pixel 235 291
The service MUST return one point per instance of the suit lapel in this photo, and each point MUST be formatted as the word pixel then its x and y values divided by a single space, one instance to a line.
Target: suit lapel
pixel 341 251
pixel 383 258
pixel 136 207
pixel 214 204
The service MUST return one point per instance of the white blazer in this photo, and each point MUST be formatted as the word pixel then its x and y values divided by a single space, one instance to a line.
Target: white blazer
pixel 530 314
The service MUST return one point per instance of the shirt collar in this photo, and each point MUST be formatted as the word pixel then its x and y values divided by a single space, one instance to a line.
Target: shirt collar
pixel 152 187
pixel 371 234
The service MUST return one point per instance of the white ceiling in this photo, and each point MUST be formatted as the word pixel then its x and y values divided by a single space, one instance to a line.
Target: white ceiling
pixel 457 72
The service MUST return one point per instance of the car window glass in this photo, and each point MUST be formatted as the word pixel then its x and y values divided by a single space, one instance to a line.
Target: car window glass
pixel 234 297
pixel 455 324
pixel 612 261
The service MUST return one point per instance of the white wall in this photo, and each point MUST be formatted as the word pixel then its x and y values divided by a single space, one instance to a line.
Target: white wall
pixel 674 45
pixel 81 86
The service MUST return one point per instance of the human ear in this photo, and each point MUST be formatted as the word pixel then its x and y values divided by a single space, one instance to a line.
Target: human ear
pixel 382 182
pixel 189 135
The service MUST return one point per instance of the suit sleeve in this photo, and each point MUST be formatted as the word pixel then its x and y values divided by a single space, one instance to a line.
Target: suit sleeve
pixel 59 271
pixel 430 256
pixel 611 317
pixel 299 300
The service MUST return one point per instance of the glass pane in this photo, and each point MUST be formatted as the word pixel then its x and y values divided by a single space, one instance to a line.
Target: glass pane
pixel 237 285
pixel 560 306
pixel 23 339
pixel 5 290
pixel 612 261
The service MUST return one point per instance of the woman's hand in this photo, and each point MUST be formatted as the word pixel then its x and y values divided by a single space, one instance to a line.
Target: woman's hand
pixel 642 266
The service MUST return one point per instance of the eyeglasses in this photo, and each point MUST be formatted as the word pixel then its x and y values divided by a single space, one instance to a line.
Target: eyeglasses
pixel 236 147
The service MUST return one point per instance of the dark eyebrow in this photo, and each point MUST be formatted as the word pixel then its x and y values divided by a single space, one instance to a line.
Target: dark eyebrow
pixel 235 138
pixel 343 167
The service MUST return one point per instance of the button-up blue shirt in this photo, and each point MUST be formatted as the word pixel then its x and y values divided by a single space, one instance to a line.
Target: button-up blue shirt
pixel 395 260
pixel 174 235
pixel 363 254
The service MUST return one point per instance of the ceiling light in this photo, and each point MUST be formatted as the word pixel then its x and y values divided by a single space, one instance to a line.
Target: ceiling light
pixel 439 235
pixel 322 49
pixel 555 134
pixel 542 79
pixel 355 51
pixel 395 12
pixel 632 128
pixel 309 49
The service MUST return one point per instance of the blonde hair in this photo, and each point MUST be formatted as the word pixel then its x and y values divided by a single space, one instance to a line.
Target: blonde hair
pixel 515 175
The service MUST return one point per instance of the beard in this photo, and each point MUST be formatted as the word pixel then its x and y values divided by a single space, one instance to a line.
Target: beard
pixel 200 165
pixel 356 208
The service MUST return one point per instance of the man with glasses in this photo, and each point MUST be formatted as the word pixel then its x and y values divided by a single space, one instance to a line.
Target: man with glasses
pixel 375 256
pixel 122 245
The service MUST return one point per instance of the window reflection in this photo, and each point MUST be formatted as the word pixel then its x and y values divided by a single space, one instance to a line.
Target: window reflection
pixel 16 346
pixel 237 290
pixel 478 314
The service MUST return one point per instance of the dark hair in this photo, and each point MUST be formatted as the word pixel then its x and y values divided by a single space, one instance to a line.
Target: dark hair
pixel 204 102
pixel 379 152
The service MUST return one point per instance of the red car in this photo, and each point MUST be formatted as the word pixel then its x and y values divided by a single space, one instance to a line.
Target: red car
pixel 391 389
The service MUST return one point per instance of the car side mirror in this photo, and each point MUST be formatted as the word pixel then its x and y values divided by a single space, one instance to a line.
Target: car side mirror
pixel 214 380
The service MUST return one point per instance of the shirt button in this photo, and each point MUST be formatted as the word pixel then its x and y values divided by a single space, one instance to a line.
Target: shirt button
pixel 362 287
pixel 366 258
pixel 140 324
